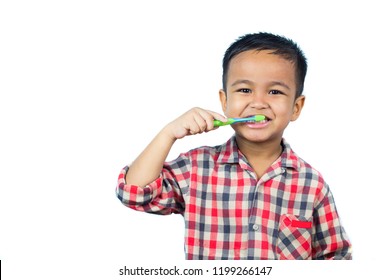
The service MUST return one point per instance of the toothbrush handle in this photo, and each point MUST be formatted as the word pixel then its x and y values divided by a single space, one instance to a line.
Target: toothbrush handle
pixel 238 120
pixel 220 123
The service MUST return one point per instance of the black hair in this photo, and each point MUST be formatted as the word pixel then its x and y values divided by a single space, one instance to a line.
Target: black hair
pixel 279 45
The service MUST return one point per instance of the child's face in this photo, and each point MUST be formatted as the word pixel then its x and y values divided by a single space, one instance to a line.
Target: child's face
pixel 259 82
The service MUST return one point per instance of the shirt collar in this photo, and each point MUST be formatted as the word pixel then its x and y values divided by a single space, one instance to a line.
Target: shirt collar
pixel 229 153
pixel 289 158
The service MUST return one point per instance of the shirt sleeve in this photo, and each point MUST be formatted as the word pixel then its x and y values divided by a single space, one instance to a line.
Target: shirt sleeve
pixel 330 242
pixel 162 196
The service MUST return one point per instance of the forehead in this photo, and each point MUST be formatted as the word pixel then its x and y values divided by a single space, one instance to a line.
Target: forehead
pixel 261 66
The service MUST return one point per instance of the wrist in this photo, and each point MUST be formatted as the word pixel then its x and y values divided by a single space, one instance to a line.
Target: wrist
pixel 168 134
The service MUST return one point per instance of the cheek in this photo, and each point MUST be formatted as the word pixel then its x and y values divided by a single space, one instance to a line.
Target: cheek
pixel 283 109
pixel 235 104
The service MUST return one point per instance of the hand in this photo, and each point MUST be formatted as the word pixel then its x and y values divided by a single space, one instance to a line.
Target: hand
pixel 195 121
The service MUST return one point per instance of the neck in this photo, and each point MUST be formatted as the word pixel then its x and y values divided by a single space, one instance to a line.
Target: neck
pixel 254 152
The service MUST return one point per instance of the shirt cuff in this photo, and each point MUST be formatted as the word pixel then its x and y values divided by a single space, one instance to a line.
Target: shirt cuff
pixel 135 196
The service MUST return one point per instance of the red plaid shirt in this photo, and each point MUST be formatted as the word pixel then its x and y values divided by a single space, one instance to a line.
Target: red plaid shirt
pixel 288 214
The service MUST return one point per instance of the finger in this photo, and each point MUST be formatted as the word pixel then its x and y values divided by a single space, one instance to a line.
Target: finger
pixel 200 122
pixel 211 116
pixel 205 120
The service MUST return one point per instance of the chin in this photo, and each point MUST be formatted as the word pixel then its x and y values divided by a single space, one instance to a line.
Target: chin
pixel 255 137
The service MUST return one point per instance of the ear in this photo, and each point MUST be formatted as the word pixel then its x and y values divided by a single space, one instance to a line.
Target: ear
pixel 298 105
pixel 223 99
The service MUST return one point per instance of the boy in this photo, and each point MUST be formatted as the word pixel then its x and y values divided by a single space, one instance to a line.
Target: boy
pixel 252 197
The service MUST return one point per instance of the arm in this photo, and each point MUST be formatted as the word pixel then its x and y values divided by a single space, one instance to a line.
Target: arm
pixel 147 167
pixel 330 240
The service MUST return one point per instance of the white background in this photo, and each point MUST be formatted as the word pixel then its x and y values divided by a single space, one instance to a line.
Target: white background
pixel 85 85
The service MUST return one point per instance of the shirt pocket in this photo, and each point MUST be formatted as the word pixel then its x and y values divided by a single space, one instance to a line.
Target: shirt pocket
pixel 294 237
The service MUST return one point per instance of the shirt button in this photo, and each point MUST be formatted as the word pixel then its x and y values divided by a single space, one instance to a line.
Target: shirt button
pixel 255 227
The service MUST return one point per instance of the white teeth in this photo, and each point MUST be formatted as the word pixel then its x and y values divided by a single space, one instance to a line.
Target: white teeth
pixel 263 121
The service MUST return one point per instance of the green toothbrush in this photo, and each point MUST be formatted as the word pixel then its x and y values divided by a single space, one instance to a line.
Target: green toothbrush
pixel 257 118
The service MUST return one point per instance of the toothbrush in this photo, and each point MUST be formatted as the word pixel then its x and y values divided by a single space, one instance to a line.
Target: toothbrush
pixel 257 118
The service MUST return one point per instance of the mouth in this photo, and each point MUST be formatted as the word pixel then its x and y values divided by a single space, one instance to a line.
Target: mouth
pixel 266 119
pixel 257 124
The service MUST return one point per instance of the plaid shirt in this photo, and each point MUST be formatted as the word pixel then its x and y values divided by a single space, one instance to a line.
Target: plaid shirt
pixel 229 214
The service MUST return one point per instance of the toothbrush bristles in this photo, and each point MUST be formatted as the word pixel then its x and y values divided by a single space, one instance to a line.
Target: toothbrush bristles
pixel 256 118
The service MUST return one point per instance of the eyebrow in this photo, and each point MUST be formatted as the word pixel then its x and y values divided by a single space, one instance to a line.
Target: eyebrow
pixel 242 82
pixel 279 83
pixel 249 82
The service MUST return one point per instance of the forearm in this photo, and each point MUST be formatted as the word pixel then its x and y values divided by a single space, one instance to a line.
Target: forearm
pixel 148 165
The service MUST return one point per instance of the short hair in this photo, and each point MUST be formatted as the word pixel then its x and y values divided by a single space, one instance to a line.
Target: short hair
pixel 279 45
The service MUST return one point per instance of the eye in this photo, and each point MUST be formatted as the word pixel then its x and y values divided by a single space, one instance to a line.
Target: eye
pixel 275 92
pixel 244 90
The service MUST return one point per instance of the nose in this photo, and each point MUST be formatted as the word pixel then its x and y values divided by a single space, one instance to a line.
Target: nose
pixel 259 101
